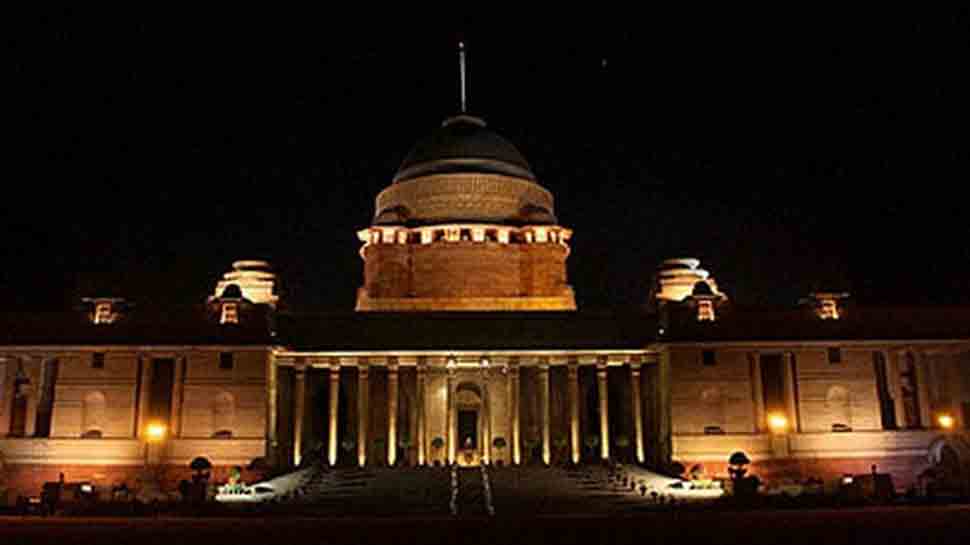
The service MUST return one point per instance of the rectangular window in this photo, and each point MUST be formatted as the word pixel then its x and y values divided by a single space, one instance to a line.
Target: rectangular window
pixel 835 355
pixel 102 313
pixel 225 360
pixel 708 358
pixel 230 313
pixel 97 362
pixel 160 390
pixel 773 383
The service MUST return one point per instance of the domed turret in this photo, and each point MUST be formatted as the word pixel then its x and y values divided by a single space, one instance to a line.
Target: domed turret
pixel 250 279
pixel 677 279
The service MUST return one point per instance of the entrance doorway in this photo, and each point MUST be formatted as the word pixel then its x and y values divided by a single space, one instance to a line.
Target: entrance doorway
pixel 468 429
pixel 470 432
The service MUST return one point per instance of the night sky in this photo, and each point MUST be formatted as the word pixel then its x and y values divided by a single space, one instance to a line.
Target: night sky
pixel 783 150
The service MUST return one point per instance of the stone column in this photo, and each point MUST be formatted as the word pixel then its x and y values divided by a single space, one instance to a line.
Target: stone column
pixel 486 420
pixel 391 412
pixel 601 376
pixel 791 396
pixel 144 393
pixel 34 393
pixel 923 387
pixel 299 411
pixel 572 386
pixel 272 443
pixel 450 420
pixel 33 400
pixel 544 403
pixel 757 391
pixel 419 413
pixel 664 385
pixel 6 395
pixel 332 438
pixel 178 393
pixel 363 412
pixel 513 409
pixel 896 387
pixel 637 410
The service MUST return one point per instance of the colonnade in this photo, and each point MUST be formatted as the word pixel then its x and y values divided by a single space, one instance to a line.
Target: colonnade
pixel 484 376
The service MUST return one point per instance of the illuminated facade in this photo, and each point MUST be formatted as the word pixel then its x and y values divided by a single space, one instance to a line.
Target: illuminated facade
pixel 466 332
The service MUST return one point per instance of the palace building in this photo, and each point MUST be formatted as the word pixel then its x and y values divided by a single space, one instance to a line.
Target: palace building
pixel 466 346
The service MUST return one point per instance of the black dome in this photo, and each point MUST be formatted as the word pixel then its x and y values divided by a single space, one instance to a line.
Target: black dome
pixel 702 289
pixel 463 145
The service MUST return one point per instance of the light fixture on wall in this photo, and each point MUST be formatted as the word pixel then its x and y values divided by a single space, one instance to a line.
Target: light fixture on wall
pixel 452 362
pixel 945 421
pixel 778 423
pixel 485 362
pixel 155 432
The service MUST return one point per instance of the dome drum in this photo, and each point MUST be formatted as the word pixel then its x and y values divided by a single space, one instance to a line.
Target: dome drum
pixel 465 197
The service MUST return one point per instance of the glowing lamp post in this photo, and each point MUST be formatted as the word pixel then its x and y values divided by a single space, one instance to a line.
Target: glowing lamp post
pixel 945 421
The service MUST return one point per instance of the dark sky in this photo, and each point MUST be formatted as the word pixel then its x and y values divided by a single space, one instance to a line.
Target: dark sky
pixel 783 149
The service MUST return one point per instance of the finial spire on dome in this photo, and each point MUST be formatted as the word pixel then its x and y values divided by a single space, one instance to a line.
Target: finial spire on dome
pixel 461 66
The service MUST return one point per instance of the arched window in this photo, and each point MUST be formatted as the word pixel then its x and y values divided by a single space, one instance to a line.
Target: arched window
pixel 839 408
pixel 223 414
pixel 93 414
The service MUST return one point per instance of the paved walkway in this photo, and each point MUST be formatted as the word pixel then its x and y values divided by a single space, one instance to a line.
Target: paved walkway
pixel 473 498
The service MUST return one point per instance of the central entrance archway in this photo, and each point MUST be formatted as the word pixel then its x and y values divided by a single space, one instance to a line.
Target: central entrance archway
pixel 470 424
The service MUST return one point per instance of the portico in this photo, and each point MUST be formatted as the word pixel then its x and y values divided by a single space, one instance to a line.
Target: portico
pixel 430 408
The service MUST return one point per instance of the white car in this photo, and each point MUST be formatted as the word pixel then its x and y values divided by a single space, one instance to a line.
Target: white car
pixel 245 494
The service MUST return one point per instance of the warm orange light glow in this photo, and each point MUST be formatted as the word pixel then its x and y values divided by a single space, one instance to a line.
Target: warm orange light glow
pixel 946 421
pixel 155 432
pixel 778 423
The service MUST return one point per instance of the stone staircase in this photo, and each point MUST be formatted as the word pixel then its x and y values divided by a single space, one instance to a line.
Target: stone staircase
pixel 471 492
pixel 501 491
pixel 373 492
pixel 587 489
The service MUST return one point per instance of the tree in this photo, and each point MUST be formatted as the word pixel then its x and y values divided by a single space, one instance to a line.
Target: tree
pixel 532 444
pixel 200 481
pixel 592 442
pixel 437 444
pixel 561 444
pixel 348 444
pixel 622 442
pixel 201 466
pixel 499 444
pixel 745 487
pixel 738 465
pixel 380 450
pixel 403 445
